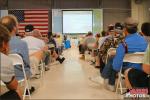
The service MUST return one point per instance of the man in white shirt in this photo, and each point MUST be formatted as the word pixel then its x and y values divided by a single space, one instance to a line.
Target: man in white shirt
pixel 34 44
pixel 37 49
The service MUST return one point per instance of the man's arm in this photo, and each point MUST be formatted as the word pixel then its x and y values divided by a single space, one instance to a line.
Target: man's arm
pixel 13 85
pixel 118 59
pixel 146 68
pixel 8 74
pixel 24 52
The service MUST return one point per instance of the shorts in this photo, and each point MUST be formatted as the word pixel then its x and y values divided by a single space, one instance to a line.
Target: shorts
pixel 139 79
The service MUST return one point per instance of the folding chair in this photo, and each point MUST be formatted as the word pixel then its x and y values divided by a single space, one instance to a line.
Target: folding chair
pixel 41 67
pixel 17 60
pixel 109 52
pixel 136 57
pixel 2 86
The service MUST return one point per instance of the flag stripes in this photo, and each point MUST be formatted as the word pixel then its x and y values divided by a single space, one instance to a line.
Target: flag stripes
pixel 37 18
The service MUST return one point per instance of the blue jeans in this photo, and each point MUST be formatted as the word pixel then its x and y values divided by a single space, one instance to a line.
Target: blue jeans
pixel 46 58
pixel 108 72
pixel 19 72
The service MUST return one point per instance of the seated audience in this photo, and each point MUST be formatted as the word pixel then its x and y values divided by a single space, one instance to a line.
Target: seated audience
pixel 89 41
pixel 111 41
pixel 37 49
pixel 46 56
pixel 20 35
pixel 97 36
pixel 88 44
pixel 102 39
pixel 146 31
pixel 7 68
pixel 17 46
pixel 81 41
pixel 133 43
pixel 55 37
pixel 99 44
pixel 139 78
pixel 53 49
pixel 95 61
pixel 59 42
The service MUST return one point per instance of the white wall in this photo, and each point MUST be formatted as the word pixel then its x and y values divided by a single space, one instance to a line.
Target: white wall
pixel 141 11
pixel 115 11
pixel 3 13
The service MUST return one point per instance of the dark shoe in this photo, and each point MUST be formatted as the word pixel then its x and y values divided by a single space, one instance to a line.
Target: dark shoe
pixel 97 66
pixel 127 91
pixel 46 68
pixel 62 60
pixel 31 90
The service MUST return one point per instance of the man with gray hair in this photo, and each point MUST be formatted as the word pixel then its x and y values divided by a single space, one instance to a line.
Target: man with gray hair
pixel 17 45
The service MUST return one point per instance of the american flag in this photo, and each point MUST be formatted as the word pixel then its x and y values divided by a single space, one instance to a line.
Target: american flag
pixel 38 18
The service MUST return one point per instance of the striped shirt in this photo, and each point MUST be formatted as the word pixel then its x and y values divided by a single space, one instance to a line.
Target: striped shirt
pixel 7 69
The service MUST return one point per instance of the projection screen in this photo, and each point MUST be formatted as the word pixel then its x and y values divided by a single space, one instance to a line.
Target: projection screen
pixel 77 21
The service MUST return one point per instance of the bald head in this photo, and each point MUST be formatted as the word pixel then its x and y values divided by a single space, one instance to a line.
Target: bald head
pixel 10 22
pixel 36 33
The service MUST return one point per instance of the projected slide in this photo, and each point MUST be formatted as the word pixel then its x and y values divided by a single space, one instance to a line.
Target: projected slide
pixel 77 21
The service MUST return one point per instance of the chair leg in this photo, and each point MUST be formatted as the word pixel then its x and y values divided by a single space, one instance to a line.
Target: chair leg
pixel 118 82
pixel 121 89
pixel 24 94
pixel 29 93
pixel 28 90
pixel 42 67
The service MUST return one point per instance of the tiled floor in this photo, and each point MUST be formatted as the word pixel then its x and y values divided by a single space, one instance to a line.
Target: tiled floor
pixel 70 81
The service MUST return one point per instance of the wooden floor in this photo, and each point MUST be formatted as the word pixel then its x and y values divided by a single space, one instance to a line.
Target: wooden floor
pixel 70 81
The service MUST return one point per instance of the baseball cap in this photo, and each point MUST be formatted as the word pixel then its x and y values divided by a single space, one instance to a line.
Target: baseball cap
pixel 29 28
pixel 118 26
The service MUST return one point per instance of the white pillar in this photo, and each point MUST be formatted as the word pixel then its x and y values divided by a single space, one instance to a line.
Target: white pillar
pixel 140 11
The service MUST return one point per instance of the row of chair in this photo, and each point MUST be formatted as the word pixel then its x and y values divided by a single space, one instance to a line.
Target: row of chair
pixel 17 60
pixel 136 57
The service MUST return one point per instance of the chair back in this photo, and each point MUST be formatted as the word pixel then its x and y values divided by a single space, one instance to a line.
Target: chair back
pixel 17 60
pixel 136 57
pixel 111 50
